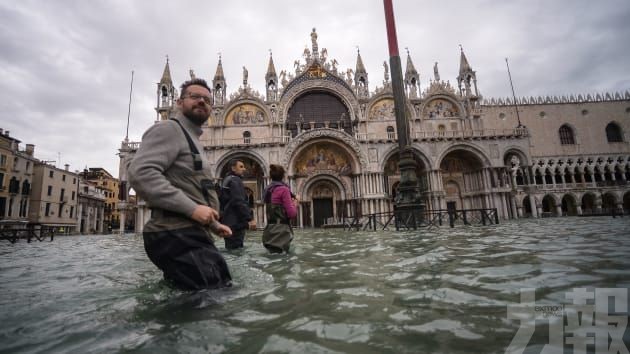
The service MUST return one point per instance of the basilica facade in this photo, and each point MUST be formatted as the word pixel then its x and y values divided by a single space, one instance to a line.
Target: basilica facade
pixel 526 157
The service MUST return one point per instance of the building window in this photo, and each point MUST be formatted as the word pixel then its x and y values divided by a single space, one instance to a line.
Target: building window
pixel 71 211
pixel 247 137
pixel 14 185
pixel 391 133
pixel 50 174
pixel 49 191
pixel 63 191
pixel 566 135
pixel 613 133
pixel 1 181
pixel 60 210
pixel 74 181
pixel 26 188
pixel 63 178
pixel 3 160
pixel 47 209
pixel 73 195
pixel 441 129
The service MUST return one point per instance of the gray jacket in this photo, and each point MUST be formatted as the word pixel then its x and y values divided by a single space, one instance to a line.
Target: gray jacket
pixel 162 173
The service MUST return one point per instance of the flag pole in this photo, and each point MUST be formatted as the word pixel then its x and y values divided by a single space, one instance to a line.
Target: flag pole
pixel 514 95
pixel 129 109
pixel 409 206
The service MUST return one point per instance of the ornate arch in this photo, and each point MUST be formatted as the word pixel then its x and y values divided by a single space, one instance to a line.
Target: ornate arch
pixel 472 148
pixel 557 200
pixel 338 90
pixel 572 195
pixel 447 97
pixel 417 151
pixel 300 141
pixel 344 188
pixel 242 102
pixel 386 95
pixel 516 150
pixel 537 200
pixel 617 196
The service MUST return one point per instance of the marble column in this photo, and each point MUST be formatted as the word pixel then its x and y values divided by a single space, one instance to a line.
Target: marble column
pixel 559 209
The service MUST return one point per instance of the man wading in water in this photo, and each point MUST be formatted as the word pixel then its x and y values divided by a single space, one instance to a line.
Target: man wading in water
pixel 169 173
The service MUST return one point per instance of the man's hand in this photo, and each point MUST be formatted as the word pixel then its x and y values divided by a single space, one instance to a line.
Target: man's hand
pixel 221 230
pixel 252 225
pixel 205 215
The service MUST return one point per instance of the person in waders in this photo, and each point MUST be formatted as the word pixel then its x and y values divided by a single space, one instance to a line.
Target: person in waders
pixel 281 206
pixel 170 174
pixel 235 210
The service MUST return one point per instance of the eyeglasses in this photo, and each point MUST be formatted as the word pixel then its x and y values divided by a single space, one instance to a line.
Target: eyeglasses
pixel 195 97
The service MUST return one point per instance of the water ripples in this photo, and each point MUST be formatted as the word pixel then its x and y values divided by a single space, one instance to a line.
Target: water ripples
pixel 440 290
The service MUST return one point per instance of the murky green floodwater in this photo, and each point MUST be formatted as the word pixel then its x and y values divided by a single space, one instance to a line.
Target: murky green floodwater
pixel 444 291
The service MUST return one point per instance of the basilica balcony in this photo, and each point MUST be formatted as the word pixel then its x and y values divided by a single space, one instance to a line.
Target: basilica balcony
pixel 484 134
pixel 247 141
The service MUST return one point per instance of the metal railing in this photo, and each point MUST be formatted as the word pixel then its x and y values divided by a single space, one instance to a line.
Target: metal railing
pixel 404 219
pixel 450 134
pixel 13 231
pixel 251 140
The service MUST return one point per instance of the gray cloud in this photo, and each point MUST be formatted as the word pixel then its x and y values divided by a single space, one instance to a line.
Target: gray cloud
pixel 66 65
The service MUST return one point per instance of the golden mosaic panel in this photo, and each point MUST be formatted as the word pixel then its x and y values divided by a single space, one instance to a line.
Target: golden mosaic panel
pixel 245 113
pixel 382 110
pixel 440 108
pixel 323 157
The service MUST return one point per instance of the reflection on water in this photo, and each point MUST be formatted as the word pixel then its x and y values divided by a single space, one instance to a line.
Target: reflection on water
pixel 443 290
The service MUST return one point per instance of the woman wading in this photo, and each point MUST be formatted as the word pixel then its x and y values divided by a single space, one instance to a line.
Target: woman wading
pixel 281 207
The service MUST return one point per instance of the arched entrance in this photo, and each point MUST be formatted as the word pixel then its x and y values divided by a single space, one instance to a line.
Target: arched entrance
pixel 609 203
pixel 322 173
pixel 462 173
pixel 569 205
pixel 453 196
pixel 549 206
pixel 325 196
pixel 588 203
pixel 527 207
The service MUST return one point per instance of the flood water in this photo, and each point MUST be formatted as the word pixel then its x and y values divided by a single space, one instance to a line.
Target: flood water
pixel 430 291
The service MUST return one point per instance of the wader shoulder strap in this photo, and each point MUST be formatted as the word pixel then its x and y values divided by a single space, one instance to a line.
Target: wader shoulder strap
pixel 193 149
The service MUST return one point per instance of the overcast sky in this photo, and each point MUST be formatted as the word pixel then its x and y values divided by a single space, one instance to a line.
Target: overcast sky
pixel 65 66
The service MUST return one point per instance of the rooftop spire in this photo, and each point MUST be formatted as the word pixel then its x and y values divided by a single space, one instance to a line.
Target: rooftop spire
pixel 166 75
pixel 271 69
pixel 411 69
pixel 463 62
pixel 219 73
pixel 360 67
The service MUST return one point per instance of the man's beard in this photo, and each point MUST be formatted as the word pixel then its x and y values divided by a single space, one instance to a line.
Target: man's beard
pixel 197 117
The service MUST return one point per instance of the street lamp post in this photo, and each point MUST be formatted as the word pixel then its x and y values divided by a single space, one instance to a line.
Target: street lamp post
pixel 409 206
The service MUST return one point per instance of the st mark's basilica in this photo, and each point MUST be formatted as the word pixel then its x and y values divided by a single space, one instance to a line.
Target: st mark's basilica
pixel 336 137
